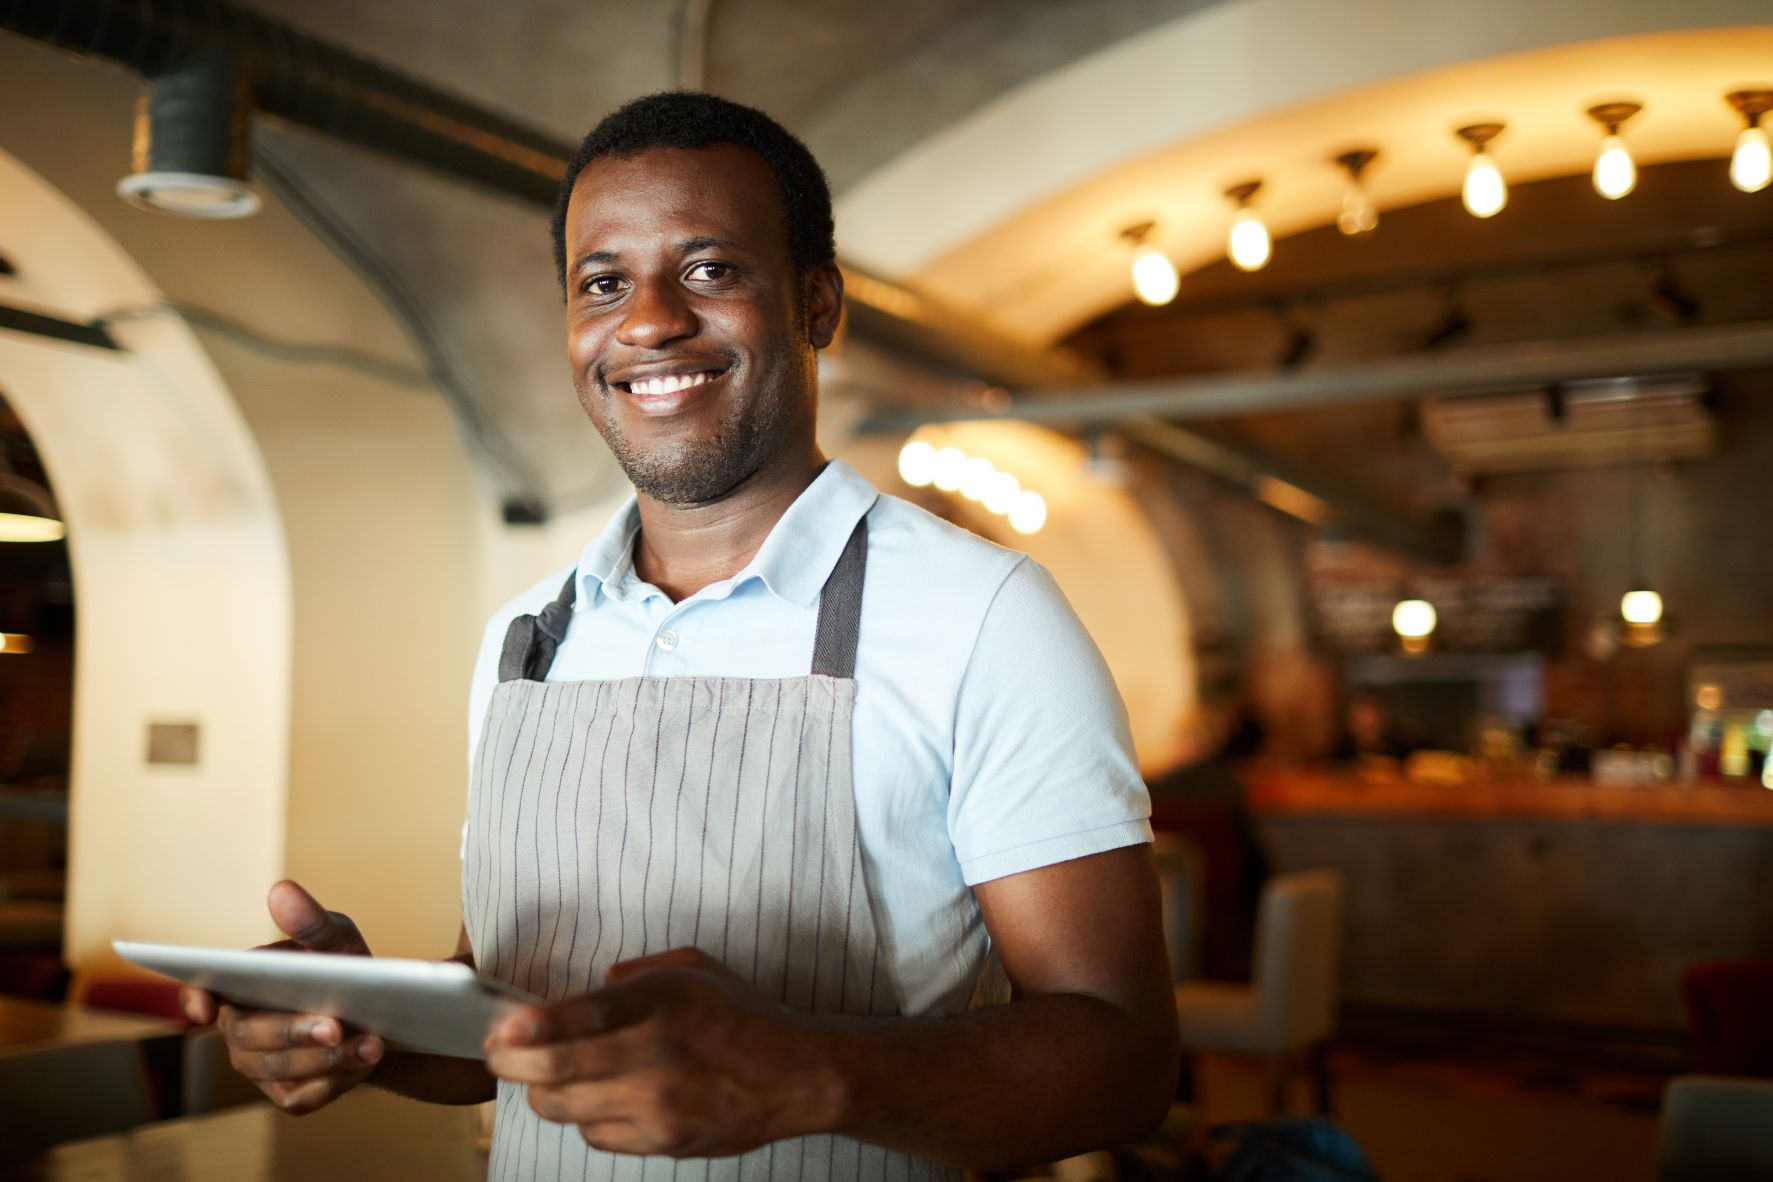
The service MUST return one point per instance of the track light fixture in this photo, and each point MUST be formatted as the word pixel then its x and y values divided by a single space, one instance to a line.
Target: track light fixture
pixel 1615 172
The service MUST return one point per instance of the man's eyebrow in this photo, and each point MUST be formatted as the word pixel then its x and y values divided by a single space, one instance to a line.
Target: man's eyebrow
pixel 596 256
pixel 706 242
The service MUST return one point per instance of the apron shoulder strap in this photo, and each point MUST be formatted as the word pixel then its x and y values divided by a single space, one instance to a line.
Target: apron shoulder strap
pixel 840 609
pixel 530 641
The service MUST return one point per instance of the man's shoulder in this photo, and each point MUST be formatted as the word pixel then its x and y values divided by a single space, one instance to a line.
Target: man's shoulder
pixel 906 541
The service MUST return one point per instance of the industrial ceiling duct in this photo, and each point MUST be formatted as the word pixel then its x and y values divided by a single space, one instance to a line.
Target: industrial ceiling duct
pixel 190 149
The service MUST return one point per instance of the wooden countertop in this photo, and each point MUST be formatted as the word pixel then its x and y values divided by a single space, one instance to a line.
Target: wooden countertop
pixel 1274 791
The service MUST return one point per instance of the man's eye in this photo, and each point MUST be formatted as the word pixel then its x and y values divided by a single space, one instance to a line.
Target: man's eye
pixel 713 272
pixel 603 285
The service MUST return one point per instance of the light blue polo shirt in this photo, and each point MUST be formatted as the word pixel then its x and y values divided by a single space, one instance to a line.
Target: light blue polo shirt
pixel 988 737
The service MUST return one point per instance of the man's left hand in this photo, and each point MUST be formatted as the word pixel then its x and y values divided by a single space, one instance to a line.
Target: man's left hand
pixel 676 1055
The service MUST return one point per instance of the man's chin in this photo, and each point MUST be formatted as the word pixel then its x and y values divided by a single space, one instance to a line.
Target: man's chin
pixel 684 481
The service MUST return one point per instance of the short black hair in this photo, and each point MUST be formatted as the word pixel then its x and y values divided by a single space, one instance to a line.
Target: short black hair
pixel 690 119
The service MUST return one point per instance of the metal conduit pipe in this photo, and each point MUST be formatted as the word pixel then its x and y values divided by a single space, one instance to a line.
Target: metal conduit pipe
pixel 313 84
pixel 307 82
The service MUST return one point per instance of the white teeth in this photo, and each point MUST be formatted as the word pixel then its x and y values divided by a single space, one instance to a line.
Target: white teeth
pixel 669 384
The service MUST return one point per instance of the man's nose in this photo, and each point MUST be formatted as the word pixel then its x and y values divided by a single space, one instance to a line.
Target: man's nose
pixel 658 313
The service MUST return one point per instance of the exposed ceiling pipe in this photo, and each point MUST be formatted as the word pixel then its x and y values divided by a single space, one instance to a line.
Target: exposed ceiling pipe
pixel 1675 350
pixel 313 84
pixel 308 82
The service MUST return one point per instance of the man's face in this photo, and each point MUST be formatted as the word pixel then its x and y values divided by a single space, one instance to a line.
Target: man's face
pixel 690 335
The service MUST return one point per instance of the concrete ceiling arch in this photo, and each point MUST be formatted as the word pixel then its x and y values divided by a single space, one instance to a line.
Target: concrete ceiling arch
pixel 1013 211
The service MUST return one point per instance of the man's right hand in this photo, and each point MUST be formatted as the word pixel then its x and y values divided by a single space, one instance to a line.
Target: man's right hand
pixel 301 1061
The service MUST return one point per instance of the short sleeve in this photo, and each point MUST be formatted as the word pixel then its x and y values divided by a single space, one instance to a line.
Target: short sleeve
pixel 1044 769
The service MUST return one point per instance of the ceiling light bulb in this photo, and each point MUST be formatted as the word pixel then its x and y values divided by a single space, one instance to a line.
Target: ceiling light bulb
pixel 21 527
pixel 27 513
pixel 975 478
pixel 1359 215
pixel 1154 277
pixel 1249 245
pixel 1641 607
pixel 1615 173
pixel 1028 513
pixel 1000 497
pixel 1414 619
pixel 1484 191
pixel 917 463
pixel 1751 165
pixel 948 467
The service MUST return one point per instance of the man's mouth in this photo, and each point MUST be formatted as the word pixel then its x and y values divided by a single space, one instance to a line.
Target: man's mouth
pixel 668 383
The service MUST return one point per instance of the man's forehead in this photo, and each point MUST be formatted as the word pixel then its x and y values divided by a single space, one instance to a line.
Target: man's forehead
pixel 722 191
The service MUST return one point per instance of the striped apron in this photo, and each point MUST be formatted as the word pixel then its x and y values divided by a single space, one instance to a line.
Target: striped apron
pixel 615 819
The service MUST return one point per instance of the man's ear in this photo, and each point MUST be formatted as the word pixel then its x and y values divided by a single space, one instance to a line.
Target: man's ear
pixel 824 304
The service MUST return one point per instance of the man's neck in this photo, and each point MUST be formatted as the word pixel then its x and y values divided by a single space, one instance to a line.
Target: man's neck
pixel 683 548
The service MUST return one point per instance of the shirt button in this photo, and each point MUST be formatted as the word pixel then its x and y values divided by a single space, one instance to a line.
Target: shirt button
pixel 666 640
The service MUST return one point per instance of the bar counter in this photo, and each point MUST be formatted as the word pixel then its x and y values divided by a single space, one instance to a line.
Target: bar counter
pixel 1302 791
pixel 1539 905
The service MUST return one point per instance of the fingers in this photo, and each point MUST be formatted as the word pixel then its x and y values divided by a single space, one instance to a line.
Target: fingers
pixel 298 1065
pixel 300 916
pixel 559 1063
pixel 199 1005
pixel 597 1013
pixel 264 1030
pixel 675 958
pixel 298 1099
pixel 623 1116
pixel 585 1102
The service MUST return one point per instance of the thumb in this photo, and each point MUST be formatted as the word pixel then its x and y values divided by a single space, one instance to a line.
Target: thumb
pixel 300 916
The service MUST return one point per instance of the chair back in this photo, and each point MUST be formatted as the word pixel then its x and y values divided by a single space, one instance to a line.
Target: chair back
pixel 1716 1129
pixel 67 1093
pixel 1181 880
pixel 1298 955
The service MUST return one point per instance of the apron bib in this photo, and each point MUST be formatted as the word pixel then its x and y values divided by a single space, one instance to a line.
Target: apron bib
pixel 614 819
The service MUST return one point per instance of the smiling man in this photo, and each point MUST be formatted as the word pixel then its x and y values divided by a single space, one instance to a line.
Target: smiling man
pixel 785 780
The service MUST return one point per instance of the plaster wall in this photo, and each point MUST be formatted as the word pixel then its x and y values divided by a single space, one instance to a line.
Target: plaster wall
pixel 178 554
pixel 377 499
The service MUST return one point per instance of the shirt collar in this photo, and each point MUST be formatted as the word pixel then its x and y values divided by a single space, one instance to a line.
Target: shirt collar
pixel 793 562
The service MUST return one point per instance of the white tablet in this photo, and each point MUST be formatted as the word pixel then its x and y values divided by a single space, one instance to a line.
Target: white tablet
pixel 442 1008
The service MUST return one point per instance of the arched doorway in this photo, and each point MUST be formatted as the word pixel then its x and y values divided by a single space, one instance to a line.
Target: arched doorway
pixel 178 556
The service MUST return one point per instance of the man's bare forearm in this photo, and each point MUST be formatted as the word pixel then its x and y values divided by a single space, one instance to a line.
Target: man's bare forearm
pixel 1034 1081
pixel 435 1079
